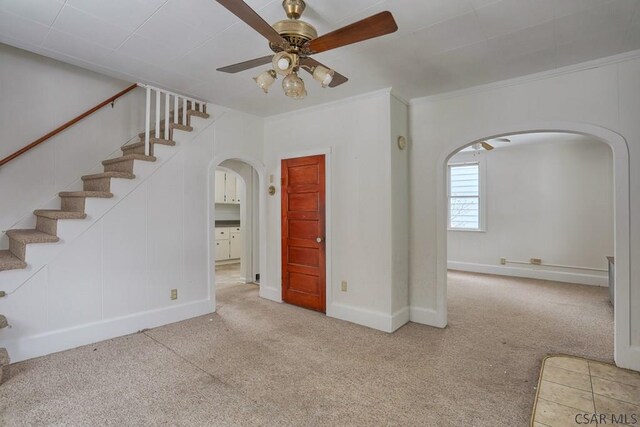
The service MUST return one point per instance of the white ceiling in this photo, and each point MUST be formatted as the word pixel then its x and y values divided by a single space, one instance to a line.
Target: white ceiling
pixel 441 45
pixel 531 138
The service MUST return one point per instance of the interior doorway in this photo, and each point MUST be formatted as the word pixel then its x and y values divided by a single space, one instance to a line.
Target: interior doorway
pixel 236 224
pixel 620 217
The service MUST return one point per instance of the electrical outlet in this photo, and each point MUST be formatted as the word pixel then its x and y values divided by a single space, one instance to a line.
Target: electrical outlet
pixel 343 286
pixel 536 261
pixel 503 261
pixel 174 294
pixel 3 294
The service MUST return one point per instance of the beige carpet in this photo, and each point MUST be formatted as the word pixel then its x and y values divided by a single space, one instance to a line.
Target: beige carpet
pixel 256 362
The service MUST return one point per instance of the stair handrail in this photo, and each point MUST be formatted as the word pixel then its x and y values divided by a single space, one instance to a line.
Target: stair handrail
pixel 67 125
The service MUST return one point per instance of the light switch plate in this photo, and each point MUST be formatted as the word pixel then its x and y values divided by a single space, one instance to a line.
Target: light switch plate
pixel 174 294
pixel 343 286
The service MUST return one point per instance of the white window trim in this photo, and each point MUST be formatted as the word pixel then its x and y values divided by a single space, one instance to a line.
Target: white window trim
pixel 482 196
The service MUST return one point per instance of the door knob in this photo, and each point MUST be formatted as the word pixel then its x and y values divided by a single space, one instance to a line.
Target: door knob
pixel 319 239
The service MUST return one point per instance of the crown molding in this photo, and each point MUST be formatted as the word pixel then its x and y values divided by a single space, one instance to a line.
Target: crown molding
pixel 543 75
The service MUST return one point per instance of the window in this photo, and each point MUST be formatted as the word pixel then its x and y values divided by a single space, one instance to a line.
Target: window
pixel 465 197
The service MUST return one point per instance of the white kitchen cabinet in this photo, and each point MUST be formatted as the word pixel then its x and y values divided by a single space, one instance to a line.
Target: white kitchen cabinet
pixel 235 246
pixel 228 187
pixel 222 250
pixel 239 190
pixel 220 186
pixel 228 243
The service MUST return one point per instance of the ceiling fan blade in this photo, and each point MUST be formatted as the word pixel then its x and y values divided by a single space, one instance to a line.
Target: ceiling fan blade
pixel 309 64
pixel 486 146
pixel 246 65
pixel 251 18
pixel 368 28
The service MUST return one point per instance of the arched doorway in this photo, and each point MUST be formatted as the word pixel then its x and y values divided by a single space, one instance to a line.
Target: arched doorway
pixel 623 352
pixel 253 266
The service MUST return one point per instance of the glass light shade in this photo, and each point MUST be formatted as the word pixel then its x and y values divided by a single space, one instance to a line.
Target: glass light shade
pixel 265 80
pixel 283 63
pixel 293 86
pixel 323 75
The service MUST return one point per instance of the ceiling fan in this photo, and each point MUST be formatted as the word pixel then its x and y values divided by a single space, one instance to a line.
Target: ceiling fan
pixel 488 147
pixel 482 145
pixel 293 41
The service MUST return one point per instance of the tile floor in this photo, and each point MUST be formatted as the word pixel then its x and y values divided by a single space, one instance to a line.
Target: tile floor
pixel 574 391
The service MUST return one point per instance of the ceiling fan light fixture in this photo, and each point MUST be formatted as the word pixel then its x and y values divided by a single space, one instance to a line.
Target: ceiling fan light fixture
pixel 293 86
pixel 265 80
pixel 323 75
pixel 284 62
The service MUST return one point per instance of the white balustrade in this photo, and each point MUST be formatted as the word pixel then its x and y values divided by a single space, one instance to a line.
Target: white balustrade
pixel 165 113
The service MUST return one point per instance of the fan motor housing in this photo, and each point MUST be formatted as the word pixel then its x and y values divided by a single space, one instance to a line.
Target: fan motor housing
pixel 296 32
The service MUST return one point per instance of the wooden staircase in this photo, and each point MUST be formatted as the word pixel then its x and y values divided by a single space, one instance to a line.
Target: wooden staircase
pixel 72 203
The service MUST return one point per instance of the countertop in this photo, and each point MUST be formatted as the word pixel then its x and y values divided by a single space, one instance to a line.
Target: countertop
pixel 230 223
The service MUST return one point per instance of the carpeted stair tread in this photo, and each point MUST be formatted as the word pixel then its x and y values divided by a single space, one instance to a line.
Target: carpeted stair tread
pixel 4 361
pixel 178 126
pixel 58 214
pixel 129 157
pixel 9 261
pixel 198 114
pixel 152 140
pixel 90 194
pixel 31 236
pixel 123 175
pixel 181 127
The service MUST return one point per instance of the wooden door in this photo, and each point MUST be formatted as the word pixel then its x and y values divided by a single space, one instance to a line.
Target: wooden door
pixel 303 232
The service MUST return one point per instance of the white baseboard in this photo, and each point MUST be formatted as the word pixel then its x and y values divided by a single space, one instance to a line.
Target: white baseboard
pixel 273 294
pixel 399 318
pixel 426 316
pixel 64 339
pixel 533 273
pixel 372 319
pixel 629 358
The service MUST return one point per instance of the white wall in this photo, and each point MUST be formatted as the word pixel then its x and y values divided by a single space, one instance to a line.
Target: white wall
pixel 399 118
pixel 552 200
pixel 112 273
pixel 597 99
pixel 39 94
pixel 355 134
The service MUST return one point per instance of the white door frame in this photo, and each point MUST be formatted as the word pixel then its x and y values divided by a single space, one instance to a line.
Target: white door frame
pixel 625 354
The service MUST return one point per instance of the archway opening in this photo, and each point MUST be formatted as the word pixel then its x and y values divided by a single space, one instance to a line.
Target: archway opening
pixel 236 230
pixel 473 248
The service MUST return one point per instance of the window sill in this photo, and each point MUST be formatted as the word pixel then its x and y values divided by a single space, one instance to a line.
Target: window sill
pixel 468 230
